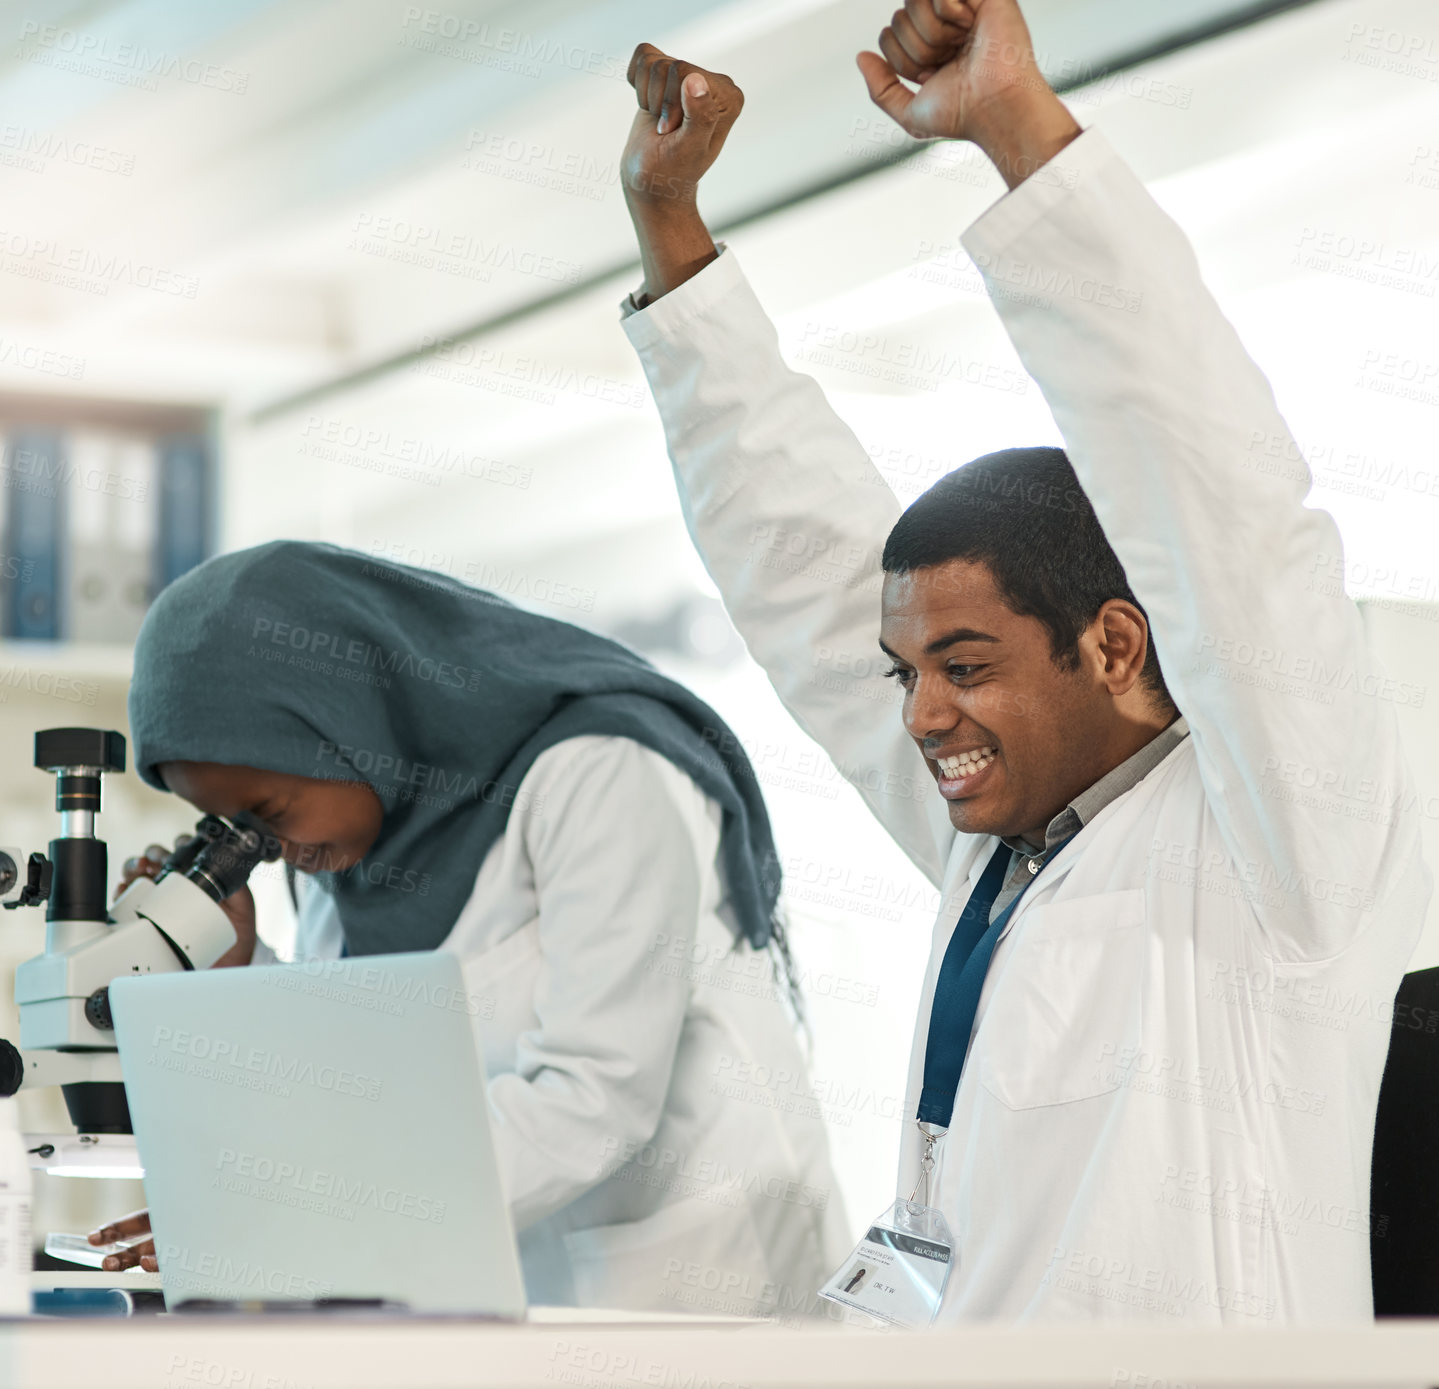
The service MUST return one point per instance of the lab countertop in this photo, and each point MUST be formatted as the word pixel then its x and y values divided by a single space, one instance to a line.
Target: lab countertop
pixel 556 1348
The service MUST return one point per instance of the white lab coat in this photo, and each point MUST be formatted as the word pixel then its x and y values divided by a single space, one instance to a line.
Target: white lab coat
pixel 1168 1109
pixel 632 1051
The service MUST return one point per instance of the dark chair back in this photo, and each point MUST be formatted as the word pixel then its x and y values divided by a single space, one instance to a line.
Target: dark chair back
pixel 1404 1190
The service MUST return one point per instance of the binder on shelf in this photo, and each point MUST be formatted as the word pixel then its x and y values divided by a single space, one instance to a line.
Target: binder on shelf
pixel 96 517
pixel 112 537
pixel 36 517
pixel 187 504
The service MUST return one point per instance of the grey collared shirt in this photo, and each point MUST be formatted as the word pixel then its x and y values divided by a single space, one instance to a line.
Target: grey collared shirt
pixel 1026 861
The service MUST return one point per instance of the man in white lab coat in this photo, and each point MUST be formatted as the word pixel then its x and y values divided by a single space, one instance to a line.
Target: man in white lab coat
pixel 1167 1107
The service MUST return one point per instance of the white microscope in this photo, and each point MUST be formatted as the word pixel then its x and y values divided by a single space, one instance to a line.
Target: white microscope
pixel 171 922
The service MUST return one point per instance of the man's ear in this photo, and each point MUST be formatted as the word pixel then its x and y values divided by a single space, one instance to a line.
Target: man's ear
pixel 1122 639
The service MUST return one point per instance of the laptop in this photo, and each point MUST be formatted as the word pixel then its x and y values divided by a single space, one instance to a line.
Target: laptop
pixel 319 1131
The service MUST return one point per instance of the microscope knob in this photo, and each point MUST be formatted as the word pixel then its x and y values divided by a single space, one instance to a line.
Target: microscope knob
pixel 12 1070
pixel 97 1010
pixel 39 878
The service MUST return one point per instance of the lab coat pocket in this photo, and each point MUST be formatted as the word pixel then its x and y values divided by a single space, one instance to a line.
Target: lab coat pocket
pixel 1067 1002
pixel 693 1255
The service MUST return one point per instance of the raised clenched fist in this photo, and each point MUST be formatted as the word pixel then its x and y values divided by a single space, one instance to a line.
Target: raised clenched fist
pixel 684 118
pixel 978 79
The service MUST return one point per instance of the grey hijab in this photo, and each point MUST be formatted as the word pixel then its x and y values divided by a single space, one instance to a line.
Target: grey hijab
pixel 309 659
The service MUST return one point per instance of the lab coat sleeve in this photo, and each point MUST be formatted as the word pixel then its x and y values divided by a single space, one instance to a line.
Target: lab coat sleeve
pixel 790 517
pixel 1176 438
pixel 619 879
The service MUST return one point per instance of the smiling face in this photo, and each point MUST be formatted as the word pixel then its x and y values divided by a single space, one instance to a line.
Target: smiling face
pixel 1010 735
pixel 322 826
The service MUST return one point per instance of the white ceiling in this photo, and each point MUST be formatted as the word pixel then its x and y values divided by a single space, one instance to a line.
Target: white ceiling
pixel 503 150
pixel 285 164
pixel 1252 141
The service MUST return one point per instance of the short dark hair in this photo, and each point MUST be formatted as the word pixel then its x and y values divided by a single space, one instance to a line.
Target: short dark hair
pixel 1022 513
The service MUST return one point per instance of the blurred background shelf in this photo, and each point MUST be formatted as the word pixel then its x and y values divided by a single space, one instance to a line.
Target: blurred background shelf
pixel 96 661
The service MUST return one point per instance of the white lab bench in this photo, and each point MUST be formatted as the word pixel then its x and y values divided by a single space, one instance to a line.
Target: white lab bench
pixel 556 1349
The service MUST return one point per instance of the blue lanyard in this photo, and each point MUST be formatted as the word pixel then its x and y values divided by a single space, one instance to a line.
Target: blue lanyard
pixel 960 983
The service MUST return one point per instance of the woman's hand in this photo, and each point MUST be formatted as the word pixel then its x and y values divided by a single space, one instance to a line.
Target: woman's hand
pixel 238 906
pixel 128 1227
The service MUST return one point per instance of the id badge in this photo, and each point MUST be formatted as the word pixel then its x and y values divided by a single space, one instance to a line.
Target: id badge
pixel 898 1271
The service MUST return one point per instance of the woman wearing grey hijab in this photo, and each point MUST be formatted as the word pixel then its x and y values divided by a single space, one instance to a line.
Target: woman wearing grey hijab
pixel 588 837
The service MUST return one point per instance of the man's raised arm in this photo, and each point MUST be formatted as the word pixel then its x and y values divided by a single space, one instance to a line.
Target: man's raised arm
pixel 785 507
pixel 1175 435
pixel 685 115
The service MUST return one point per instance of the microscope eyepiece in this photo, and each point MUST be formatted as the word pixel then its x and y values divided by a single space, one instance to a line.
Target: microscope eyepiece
pixel 187 849
pixel 222 854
